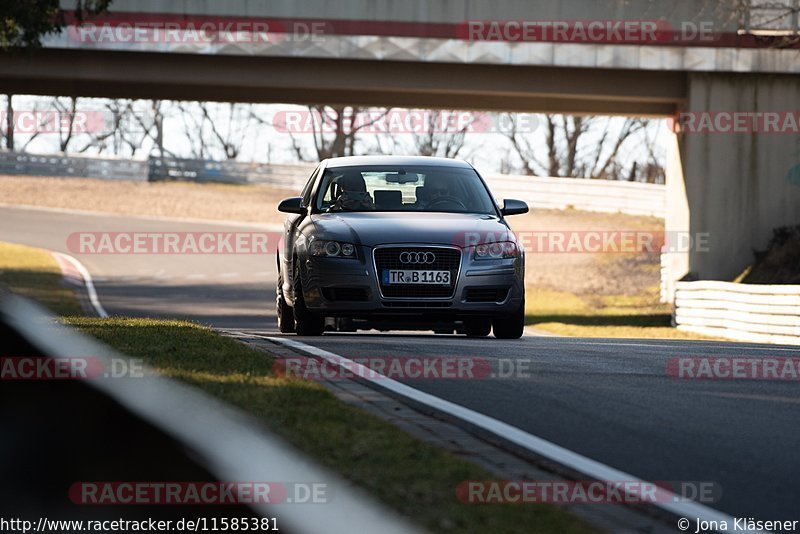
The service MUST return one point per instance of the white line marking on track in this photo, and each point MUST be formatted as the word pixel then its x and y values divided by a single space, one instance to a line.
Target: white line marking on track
pixel 665 499
pixel 87 281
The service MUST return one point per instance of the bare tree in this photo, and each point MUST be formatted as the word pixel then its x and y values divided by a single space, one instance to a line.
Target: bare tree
pixel 142 123
pixel 110 138
pixel 219 131
pixel 9 129
pixel 443 134
pixel 230 139
pixel 575 146
pixel 335 130
pixel 441 138
pixel 525 150
pixel 40 125
pixel 65 112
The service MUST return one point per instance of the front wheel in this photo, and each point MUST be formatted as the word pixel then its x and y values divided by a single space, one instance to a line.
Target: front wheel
pixel 511 325
pixel 285 312
pixel 306 322
pixel 477 327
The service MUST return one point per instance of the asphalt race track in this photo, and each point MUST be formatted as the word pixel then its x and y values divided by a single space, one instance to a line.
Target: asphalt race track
pixel 610 400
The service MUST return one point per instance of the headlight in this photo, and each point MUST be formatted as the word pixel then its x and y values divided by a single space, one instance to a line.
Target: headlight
pixel 495 251
pixel 331 249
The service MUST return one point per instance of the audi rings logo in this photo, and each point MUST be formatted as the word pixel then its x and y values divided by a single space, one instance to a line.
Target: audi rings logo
pixel 417 258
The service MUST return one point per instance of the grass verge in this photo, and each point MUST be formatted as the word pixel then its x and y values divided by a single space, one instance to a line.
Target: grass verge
pixel 33 273
pixel 415 478
pixel 609 316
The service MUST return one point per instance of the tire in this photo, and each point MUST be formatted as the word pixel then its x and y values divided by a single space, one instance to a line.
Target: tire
pixel 285 312
pixel 306 322
pixel 511 325
pixel 477 327
pixel 443 331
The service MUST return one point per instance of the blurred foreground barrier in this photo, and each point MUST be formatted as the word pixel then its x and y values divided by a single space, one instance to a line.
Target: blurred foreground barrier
pixel 745 312
pixel 145 428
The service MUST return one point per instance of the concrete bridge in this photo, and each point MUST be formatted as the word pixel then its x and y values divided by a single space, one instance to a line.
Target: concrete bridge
pixel 728 70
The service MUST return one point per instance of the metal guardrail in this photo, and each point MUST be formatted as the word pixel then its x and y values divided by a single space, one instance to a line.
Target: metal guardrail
pixel 745 312
pixel 292 176
pixel 154 169
pixel 14 163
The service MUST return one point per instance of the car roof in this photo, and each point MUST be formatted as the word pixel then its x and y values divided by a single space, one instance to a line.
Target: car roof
pixel 352 161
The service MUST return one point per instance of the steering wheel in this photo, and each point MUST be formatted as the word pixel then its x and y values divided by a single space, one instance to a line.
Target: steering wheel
pixel 446 200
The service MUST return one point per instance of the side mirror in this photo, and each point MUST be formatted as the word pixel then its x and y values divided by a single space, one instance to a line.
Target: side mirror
pixel 292 205
pixel 513 207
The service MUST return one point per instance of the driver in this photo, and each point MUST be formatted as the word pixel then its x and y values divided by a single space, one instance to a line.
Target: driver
pixel 439 190
pixel 354 195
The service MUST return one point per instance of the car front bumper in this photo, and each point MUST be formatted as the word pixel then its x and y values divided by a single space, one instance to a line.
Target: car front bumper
pixel 350 288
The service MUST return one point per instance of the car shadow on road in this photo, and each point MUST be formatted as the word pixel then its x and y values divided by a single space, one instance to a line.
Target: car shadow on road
pixel 654 319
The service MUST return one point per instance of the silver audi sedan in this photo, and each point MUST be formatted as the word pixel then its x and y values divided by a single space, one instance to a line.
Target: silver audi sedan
pixel 400 243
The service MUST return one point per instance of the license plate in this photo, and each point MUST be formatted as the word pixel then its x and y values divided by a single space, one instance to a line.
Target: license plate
pixel 400 276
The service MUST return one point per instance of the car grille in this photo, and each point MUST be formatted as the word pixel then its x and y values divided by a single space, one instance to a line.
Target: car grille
pixel 447 259
pixel 485 294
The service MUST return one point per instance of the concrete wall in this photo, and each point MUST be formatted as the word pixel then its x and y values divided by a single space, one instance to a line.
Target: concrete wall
pixel 738 186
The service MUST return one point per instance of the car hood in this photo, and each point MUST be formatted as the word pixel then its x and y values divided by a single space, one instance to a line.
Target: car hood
pixel 371 228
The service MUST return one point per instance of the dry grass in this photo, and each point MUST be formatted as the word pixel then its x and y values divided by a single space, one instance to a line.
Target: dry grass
pixel 587 274
pixel 34 273
pixel 246 203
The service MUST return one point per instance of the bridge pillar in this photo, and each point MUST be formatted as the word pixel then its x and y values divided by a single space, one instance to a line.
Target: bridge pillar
pixel 733 188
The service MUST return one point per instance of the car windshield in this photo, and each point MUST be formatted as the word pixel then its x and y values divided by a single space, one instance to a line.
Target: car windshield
pixel 403 188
